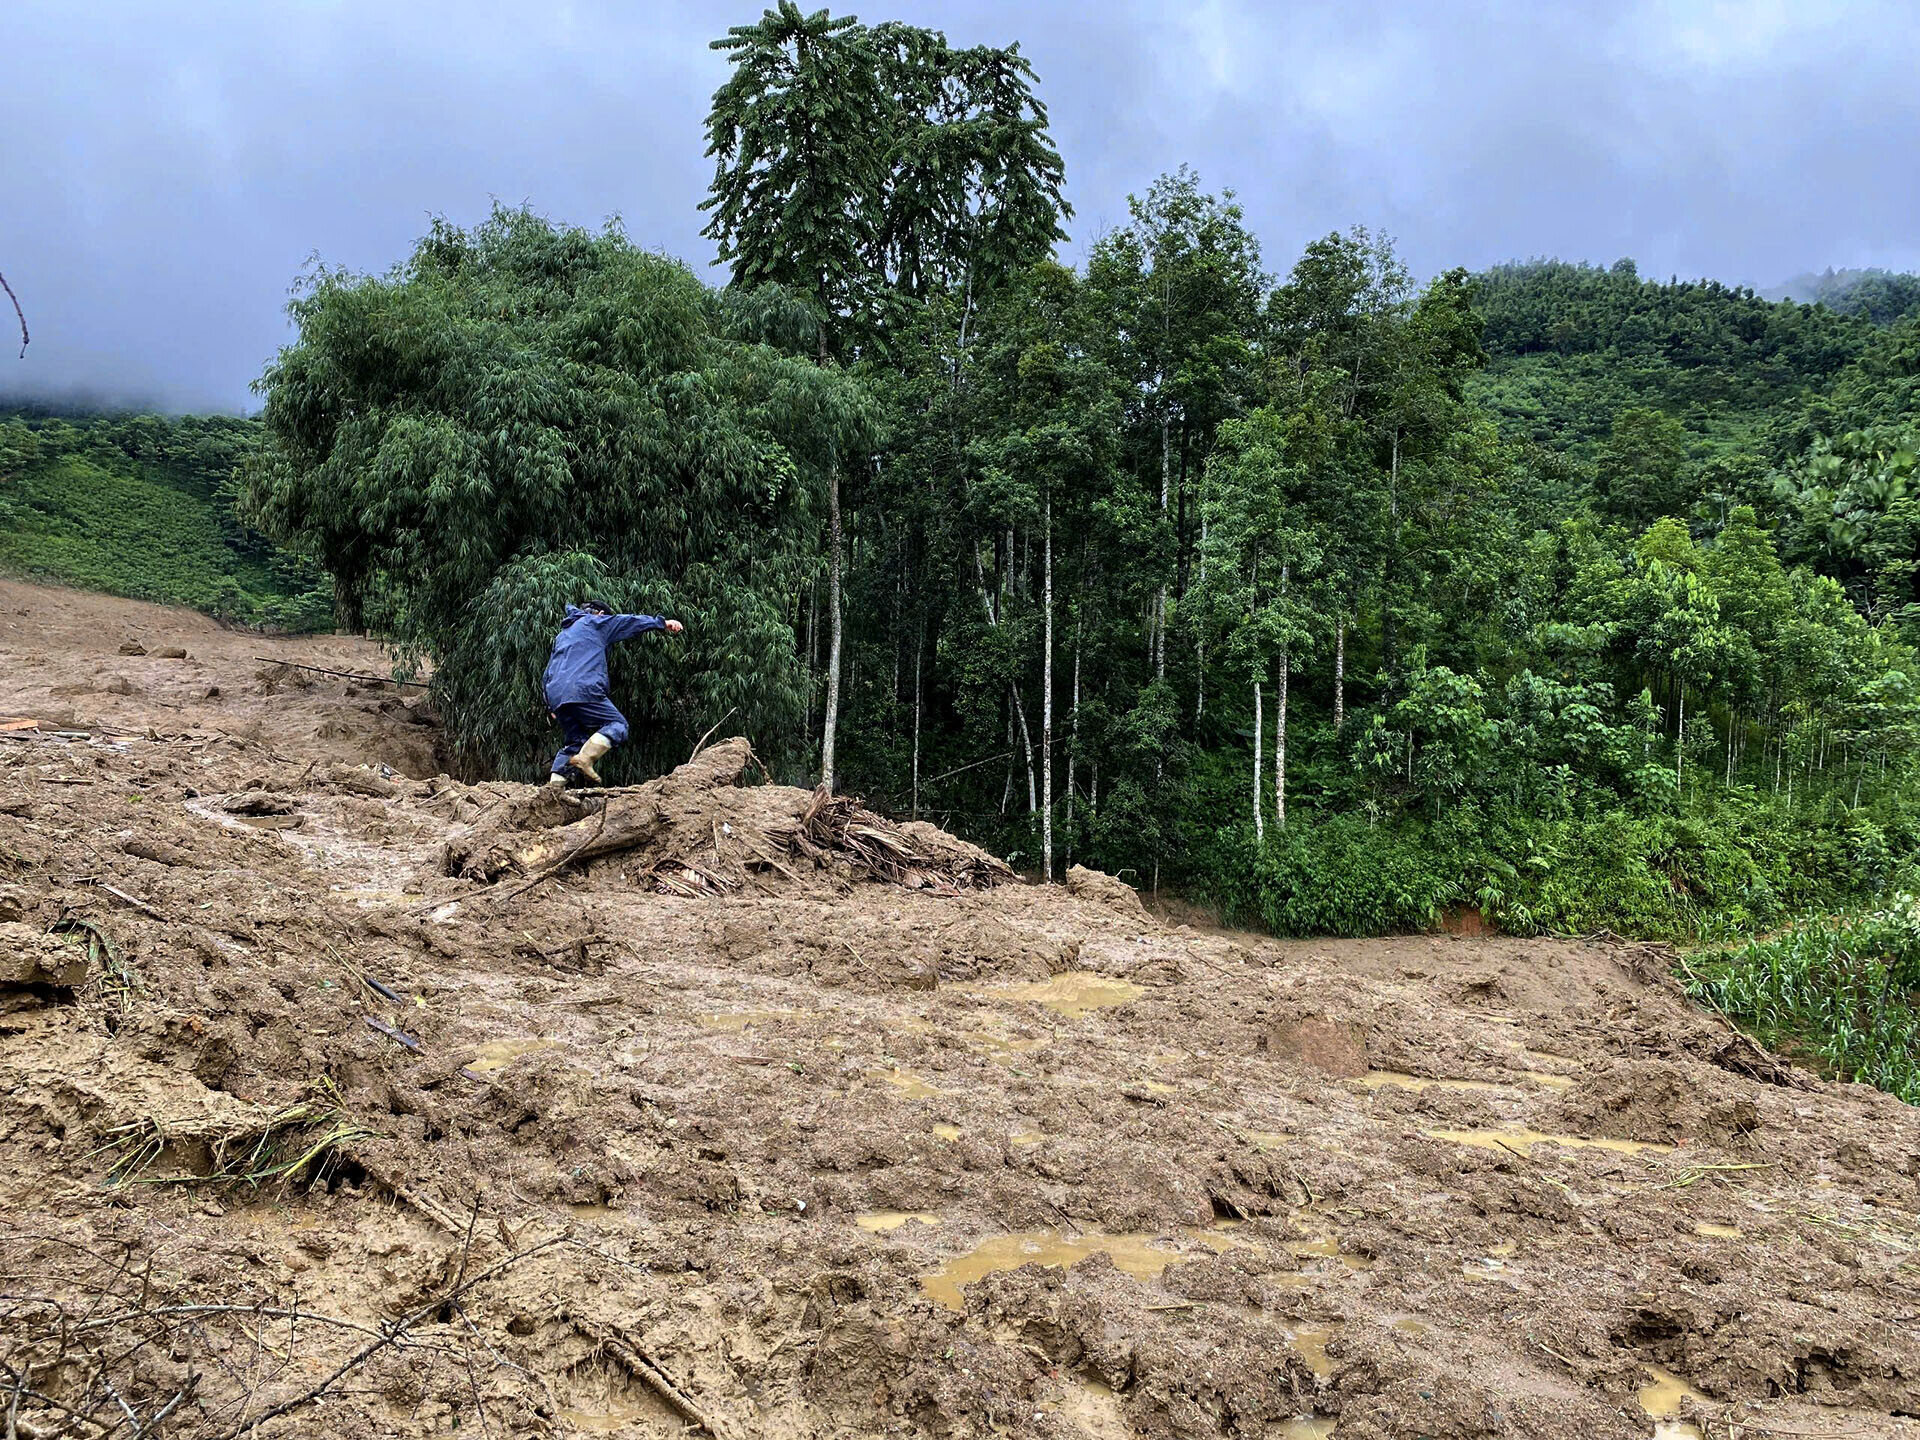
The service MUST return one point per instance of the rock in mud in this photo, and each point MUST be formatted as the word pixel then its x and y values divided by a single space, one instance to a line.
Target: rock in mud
pixel 29 957
pixel 258 802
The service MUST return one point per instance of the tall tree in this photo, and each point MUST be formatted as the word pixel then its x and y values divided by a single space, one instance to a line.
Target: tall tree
pixel 866 167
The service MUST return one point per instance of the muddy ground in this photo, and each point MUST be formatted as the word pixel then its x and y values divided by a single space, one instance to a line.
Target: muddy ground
pixel 345 1098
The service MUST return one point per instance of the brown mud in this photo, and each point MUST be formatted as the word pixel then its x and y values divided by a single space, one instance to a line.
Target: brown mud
pixel 345 1098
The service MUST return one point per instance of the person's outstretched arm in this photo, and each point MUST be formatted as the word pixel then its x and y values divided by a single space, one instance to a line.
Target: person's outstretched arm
pixel 622 627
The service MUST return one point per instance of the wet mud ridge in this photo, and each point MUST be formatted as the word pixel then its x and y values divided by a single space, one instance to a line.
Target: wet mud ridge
pixel 343 1098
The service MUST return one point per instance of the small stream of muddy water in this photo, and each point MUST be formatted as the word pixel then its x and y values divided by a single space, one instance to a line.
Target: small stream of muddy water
pixel 1072 993
pixel 1143 1257
pixel 1521 1141
pixel 1663 1397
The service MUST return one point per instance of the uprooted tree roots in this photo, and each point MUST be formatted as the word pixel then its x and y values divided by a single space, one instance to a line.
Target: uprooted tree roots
pixel 706 829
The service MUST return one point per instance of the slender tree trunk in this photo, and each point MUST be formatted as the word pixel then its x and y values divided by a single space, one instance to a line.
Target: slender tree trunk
pixel 1073 734
pixel 1200 640
pixel 1046 701
pixel 919 648
pixel 813 652
pixel 832 724
pixel 1026 741
pixel 1280 743
pixel 1680 746
pixel 1259 816
pixel 1393 556
pixel 1339 675
pixel 1160 606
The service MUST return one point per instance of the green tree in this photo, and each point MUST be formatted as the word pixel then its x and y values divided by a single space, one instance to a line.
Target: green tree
pixel 522 412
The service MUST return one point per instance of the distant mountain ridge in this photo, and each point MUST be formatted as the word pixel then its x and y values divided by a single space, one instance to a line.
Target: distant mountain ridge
pixel 1883 296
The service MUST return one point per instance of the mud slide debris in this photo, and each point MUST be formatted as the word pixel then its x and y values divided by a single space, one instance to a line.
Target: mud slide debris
pixel 347 1097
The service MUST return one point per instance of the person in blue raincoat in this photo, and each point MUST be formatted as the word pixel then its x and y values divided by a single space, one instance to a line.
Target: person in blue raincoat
pixel 575 684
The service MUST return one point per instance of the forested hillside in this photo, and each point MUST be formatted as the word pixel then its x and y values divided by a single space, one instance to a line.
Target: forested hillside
pixel 1284 582
pixel 142 506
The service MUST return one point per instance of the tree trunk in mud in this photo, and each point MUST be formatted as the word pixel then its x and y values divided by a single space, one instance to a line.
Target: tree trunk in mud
pixel 1046 706
pixel 1280 745
pixel 1259 817
pixel 833 619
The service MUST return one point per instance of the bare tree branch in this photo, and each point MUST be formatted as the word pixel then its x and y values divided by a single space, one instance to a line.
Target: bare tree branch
pixel 17 311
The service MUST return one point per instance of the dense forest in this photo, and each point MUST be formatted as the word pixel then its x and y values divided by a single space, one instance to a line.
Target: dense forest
pixel 1339 601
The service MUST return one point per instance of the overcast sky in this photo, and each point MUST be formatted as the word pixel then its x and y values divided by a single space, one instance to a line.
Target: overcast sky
pixel 167 170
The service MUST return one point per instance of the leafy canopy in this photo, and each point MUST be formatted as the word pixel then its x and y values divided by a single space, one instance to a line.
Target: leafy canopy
pixel 524 411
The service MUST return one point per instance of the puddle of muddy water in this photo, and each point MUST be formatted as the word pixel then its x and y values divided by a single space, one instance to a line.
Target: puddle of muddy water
pixel 909 1084
pixel 1027 1137
pixel 1717 1232
pixel 1072 993
pixel 881 1221
pixel 948 1132
pixel 1309 1427
pixel 1522 1141
pixel 491 1055
pixel 1143 1257
pixel 1312 1345
pixel 748 1019
pixel 1663 1397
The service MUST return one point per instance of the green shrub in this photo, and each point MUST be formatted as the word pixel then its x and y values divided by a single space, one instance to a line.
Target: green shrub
pixel 1845 986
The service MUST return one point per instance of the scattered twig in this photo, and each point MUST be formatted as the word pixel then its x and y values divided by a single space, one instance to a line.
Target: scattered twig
pixel 385 989
pixel 701 744
pixel 645 1370
pixel 134 900
pixel 342 674
pixel 23 355
pixel 392 1034
pixel 373 1347
pixel 13 1405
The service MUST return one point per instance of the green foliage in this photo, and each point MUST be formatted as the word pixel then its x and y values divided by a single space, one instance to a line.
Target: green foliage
pixel 136 506
pixel 525 411
pixel 1885 297
pixel 867 167
pixel 1845 986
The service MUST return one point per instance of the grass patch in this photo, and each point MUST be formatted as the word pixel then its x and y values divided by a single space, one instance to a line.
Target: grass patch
pixel 72 520
pixel 1844 987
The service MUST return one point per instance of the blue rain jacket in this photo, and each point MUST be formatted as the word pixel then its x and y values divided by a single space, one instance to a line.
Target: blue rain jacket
pixel 577 669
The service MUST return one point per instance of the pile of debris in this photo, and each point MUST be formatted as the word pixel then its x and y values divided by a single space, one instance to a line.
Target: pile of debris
pixel 707 828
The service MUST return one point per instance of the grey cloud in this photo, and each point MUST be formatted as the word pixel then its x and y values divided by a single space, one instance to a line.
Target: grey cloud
pixel 168 170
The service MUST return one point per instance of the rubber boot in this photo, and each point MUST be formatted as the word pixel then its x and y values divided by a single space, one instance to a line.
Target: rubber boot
pixel 596 746
pixel 556 779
